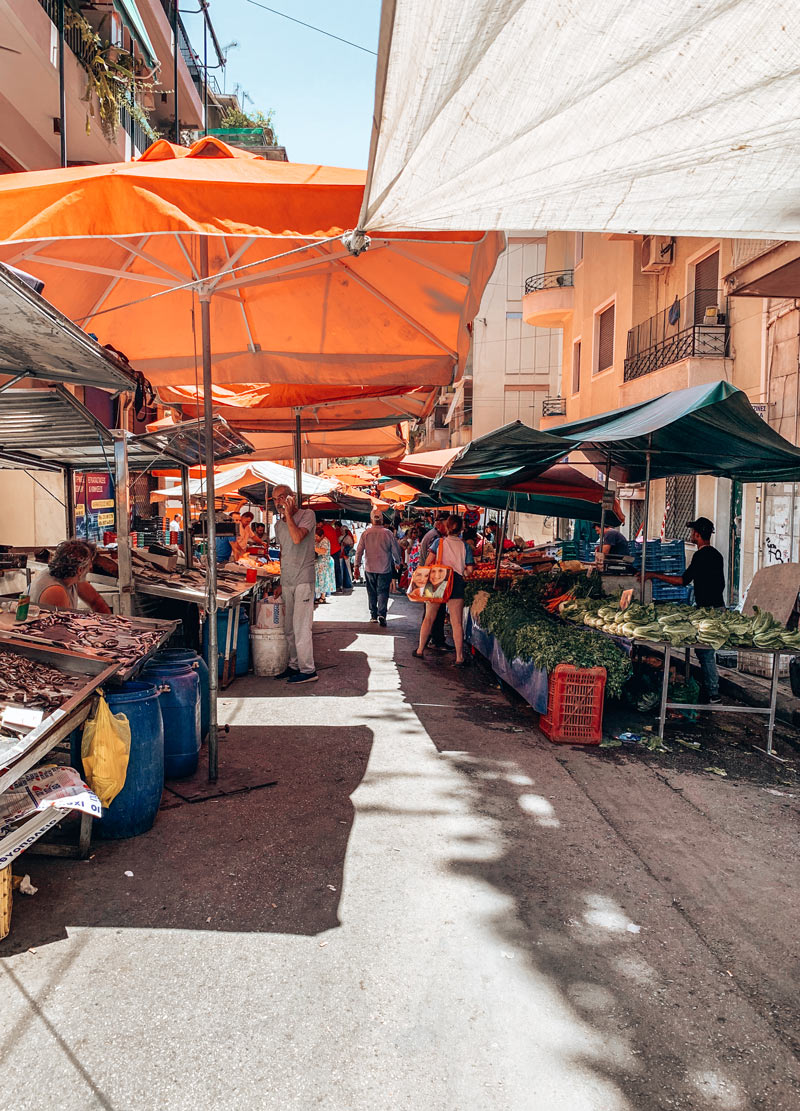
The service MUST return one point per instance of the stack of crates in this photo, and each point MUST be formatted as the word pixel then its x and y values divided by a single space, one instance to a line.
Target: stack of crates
pixel 668 558
pixel 568 549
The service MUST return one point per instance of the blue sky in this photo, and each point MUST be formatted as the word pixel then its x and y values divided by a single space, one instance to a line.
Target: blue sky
pixel 322 91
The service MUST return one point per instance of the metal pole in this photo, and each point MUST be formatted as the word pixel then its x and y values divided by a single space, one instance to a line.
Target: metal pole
pixel 603 507
pixel 69 501
pixel 175 52
pixel 187 516
pixel 205 68
pixel 211 524
pixel 298 457
pixel 646 520
pixel 62 95
pixel 499 553
pixel 123 498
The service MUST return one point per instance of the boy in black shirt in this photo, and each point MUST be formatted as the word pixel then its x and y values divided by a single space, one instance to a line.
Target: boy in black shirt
pixel 706 572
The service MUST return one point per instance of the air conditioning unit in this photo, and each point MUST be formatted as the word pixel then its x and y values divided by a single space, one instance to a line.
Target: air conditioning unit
pixel 657 252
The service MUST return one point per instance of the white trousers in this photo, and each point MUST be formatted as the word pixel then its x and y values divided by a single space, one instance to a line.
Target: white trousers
pixel 298 615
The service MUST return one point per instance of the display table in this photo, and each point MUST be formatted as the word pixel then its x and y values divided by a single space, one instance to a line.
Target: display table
pixel 528 681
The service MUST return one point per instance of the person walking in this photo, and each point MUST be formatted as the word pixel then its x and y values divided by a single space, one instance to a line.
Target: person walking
pixel 295 532
pixel 379 548
pixel 449 551
pixel 336 552
pixel 345 538
pixel 706 572
pixel 437 530
pixel 324 575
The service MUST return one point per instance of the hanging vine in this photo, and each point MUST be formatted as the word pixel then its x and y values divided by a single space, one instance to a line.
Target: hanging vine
pixel 111 79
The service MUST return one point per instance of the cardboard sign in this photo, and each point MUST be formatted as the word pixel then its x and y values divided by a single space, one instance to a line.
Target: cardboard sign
pixel 105 519
pixel 104 503
pixel 625 599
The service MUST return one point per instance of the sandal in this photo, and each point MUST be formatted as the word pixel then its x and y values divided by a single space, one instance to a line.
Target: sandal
pixel 418 655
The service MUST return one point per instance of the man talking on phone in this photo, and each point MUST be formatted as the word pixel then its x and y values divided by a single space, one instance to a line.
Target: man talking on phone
pixel 295 535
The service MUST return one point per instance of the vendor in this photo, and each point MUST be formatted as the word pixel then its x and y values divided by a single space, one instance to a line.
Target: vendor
pixel 706 573
pixel 62 586
pixel 244 536
pixel 259 535
pixel 614 543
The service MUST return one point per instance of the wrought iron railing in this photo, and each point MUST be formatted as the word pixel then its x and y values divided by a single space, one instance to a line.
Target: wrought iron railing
pixel 72 35
pixel 681 331
pixel 554 407
pixel 140 138
pixel 551 279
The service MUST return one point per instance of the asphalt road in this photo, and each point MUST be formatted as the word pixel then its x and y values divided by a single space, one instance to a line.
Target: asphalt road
pixel 409 899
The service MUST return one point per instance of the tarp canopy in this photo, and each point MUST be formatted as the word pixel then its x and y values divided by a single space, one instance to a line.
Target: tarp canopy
pixel 229 479
pixel 678 118
pixel 338 504
pixel 561 491
pixel 392 317
pixel 493 459
pixel 711 429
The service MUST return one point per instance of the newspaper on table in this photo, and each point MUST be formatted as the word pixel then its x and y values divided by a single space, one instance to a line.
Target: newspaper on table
pixel 43 788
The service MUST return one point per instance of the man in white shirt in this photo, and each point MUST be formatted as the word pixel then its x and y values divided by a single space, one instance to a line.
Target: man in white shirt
pixel 295 534
pixel 383 554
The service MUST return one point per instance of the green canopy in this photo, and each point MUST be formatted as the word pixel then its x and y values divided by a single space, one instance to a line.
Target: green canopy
pixel 492 459
pixel 710 429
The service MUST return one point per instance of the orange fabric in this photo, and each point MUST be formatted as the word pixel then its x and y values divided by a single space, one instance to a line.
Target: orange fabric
pixel 108 237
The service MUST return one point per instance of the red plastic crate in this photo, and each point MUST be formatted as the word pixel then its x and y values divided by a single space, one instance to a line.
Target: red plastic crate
pixel 575 705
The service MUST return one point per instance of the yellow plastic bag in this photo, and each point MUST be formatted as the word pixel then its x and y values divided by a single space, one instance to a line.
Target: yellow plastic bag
pixel 105 750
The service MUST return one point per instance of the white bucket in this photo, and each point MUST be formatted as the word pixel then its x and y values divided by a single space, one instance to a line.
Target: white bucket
pixel 269 650
pixel 269 615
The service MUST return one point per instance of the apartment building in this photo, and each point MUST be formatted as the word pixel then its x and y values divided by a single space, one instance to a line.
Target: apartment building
pixel 144 41
pixel 644 316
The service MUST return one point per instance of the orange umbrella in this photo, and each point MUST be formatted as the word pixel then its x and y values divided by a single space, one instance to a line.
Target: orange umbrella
pixel 355 476
pixel 392 316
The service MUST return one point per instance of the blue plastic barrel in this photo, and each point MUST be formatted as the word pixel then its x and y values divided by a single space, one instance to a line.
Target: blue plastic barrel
pixel 134 809
pixel 243 643
pixel 240 643
pixel 179 686
pixel 188 656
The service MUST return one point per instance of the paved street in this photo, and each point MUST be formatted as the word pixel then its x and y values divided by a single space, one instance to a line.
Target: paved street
pixel 419 904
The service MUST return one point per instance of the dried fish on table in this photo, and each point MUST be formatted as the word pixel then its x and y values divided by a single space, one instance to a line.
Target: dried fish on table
pixel 109 636
pixel 30 683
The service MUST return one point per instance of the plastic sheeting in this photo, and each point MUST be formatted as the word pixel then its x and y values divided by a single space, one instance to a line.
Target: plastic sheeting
pixel 527 680
pixel 591 115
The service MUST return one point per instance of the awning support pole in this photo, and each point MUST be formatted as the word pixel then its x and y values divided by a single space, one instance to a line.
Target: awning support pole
pixel 646 521
pixel 211 523
pixel 187 516
pixel 603 508
pixel 175 52
pixel 62 95
pixel 298 456
pixel 499 553
pixel 123 499
pixel 69 500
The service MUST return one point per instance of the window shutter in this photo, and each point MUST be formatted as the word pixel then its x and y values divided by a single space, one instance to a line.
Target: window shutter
pixel 706 286
pixel 605 339
pixel 576 367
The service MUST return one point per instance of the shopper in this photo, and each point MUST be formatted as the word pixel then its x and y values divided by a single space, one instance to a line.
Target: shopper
pixel 449 551
pixel 706 573
pixel 63 585
pixel 437 636
pixel 295 532
pixel 346 541
pixel 378 547
pixel 336 552
pixel 324 575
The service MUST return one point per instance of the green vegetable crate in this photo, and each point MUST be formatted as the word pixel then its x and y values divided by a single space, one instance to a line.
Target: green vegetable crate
pixel 575 705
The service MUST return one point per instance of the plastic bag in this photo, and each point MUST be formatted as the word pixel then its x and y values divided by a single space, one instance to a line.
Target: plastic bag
pixel 105 750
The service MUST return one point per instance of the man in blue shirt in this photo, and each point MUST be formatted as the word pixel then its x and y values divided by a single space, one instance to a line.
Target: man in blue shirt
pixel 382 552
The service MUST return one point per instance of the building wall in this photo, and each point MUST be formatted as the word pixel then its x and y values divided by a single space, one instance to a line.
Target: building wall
pixel 33 511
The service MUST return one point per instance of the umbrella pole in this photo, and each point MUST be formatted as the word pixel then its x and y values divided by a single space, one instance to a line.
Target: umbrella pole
pixel 646 521
pixel 603 507
pixel 298 457
pixel 187 517
pixel 498 555
pixel 211 524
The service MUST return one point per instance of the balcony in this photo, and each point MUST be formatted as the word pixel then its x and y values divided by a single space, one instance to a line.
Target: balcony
pixel 554 407
pixel 687 329
pixel 548 299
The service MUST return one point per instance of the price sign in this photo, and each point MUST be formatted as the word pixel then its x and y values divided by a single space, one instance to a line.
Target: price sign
pixel 104 519
pixel 80 510
pixel 105 503
pixel 608 500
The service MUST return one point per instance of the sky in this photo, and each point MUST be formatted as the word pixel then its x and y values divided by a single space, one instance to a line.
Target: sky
pixel 322 91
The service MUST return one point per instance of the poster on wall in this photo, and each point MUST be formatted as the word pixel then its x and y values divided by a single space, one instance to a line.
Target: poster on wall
pixel 94 505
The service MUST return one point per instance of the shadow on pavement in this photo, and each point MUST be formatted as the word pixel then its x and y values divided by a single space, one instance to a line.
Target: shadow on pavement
pixel 267 860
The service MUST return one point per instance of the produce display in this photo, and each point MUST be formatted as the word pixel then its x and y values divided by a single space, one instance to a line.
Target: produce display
pixel 526 630
pixel 681 625
pixel 484 572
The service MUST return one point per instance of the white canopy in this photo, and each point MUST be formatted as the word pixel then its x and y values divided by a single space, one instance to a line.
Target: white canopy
pixel 587 115
pixel 229 479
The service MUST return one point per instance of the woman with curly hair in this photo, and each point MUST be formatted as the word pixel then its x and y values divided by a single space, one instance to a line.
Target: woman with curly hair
pixel 62 586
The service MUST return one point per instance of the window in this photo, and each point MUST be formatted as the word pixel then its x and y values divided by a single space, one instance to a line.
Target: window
pixel 706 285
pixel 578 247
pixel 605 339
pixel 576 366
